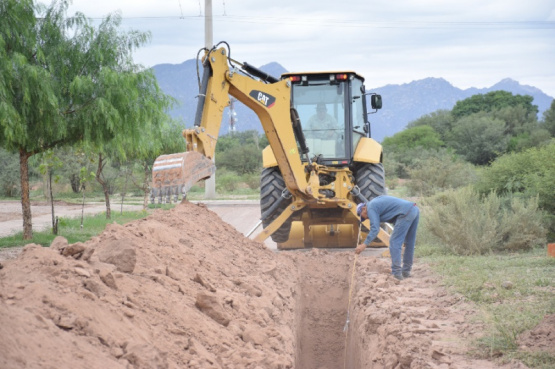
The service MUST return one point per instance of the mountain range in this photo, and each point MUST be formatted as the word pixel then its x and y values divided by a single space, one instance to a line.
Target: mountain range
pixel 402 104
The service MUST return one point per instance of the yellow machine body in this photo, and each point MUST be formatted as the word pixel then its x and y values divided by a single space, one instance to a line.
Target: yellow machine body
pixel 321 194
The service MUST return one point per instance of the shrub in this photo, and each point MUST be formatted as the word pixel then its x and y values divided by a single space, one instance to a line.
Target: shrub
pixel 240 159
pixel 468 223
pixel 227 181
pixel 530 173
pixel 436 174
pixel 252 180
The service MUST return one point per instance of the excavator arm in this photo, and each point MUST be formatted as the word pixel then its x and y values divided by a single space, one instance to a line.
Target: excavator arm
pixel 270 101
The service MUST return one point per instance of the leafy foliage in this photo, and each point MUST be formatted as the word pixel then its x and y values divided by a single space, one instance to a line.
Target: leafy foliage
pixel 65 81
pixel 479 138
pixel 442 121
pixel 439 173
pixel 240 152
pixel 530 173
pixel 468 223
pixel 549 119
pixel 421 136
pixel 9 180
pixel 240 159
pixel 492 101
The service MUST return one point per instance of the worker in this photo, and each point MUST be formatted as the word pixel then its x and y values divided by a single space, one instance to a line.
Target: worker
pixel 322 123
pixel 404 215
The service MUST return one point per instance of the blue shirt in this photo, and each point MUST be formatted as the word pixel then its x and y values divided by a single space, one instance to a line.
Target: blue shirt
pixel 385 209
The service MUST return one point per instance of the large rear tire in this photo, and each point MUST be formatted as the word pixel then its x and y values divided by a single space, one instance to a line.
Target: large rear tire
pixel 370 179
pixel 271 188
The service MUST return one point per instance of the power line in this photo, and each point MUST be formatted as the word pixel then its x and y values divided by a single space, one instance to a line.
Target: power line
pixel 357 24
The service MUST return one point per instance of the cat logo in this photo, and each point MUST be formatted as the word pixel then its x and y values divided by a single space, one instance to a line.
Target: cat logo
pixel 265 99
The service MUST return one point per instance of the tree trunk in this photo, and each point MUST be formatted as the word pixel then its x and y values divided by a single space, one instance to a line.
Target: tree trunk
pixel 54 222
pixel 124 191
pixel 25 199
pixel 104 186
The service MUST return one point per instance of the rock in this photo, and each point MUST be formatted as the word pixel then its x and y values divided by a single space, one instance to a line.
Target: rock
pixel 59 243
pixel 508 285
pixel 210 305
pixel 203 282
pixel 108 279
pixel 441 357
pixel 82 272
pixel 92 286
pixel 144 356
pixel 75 250
pixel 120 253
pixel 89 251
pixel 254 335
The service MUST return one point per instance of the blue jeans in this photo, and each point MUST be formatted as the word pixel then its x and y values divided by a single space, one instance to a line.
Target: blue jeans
pixel 404 232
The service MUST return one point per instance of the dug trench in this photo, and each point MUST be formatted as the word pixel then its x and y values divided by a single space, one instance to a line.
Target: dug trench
pixel 182 289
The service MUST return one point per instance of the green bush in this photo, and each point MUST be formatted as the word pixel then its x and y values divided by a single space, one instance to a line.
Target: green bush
pixel 227 181
pixel 529 173
pixel 399 163
pixel 468 223
pixel 240 159
pixel 252 180
pixel 436 174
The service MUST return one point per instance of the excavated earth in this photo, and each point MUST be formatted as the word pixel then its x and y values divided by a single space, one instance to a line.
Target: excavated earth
pixel 183 289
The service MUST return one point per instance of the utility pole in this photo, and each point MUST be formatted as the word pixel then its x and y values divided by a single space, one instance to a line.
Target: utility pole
pixel 210 183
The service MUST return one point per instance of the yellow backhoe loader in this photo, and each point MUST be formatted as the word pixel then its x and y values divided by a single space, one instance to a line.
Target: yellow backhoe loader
pixel 321 160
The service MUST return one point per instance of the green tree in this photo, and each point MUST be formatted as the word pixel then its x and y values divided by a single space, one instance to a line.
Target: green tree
pixel 225 142
pixel 65 81
pixel 170 140
pixel 441 121
pixel 241 159
pixel 9 180
pixel 548 121
pixel 491 101
pixel 421 136
pixel 479 138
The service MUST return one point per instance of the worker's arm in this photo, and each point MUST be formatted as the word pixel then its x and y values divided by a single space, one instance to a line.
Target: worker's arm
pixel 374 218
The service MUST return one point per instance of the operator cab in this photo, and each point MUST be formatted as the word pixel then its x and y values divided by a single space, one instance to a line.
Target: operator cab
pixel 332 112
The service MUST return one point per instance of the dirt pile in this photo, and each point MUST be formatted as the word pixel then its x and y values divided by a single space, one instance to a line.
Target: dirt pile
pixel 182 289
pixel 541 338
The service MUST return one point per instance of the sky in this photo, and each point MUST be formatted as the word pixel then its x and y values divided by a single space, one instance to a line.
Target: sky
pixel 469 43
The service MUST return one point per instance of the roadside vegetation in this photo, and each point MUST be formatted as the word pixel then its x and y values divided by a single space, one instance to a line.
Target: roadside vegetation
pixel 483 174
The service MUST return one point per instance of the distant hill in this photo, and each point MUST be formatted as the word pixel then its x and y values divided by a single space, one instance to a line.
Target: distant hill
pixel 402 104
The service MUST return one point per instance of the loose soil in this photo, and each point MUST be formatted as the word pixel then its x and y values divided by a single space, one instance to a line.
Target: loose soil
pixel 183 289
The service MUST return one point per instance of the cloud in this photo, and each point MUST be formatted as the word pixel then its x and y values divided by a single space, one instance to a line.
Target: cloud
pixel 469 43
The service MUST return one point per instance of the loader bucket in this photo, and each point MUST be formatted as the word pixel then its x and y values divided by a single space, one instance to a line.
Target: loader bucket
pixel 175 174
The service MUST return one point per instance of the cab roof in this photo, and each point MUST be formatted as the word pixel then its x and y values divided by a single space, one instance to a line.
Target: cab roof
pixel 289 74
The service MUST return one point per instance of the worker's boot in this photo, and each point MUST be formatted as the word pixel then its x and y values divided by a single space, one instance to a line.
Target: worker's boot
pixel 398 276
pixel 406 274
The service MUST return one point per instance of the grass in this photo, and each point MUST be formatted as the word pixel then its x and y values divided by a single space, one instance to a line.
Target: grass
pixel 513 293
pixel 70 228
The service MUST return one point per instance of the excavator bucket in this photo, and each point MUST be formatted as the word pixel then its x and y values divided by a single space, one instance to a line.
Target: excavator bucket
pixel 177 173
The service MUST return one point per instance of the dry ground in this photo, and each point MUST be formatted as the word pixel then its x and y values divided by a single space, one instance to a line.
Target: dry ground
pixel 184 289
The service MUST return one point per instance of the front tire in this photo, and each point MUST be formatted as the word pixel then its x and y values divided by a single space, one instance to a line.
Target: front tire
pixel 271 188
pixel 370 179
